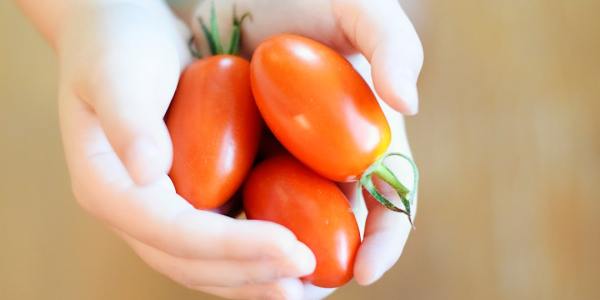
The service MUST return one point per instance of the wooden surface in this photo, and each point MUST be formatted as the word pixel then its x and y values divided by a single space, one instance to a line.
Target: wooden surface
pixel 508 140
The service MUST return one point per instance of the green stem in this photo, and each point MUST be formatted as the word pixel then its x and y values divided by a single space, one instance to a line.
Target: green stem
pixel 384 173
pixel 209 37
pixel 214 29
pixel 213 36
pixel 192 48
pixel 234 43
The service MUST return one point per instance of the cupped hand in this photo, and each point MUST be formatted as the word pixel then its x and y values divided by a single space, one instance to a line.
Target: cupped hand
pixel 380 41
pixel 120 62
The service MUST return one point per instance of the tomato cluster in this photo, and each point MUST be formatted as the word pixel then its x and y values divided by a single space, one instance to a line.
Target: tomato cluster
pixel 326 127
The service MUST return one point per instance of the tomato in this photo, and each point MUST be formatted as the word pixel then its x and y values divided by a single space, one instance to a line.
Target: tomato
pixel 325 114
pixel 215 128
pixel 282 190
pixel 318 106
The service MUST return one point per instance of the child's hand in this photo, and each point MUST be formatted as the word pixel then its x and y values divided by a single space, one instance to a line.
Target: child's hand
pixel 120 64
pixel 381 32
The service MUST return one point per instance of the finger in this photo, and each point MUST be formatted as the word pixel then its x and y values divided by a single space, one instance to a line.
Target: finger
pixel 129 82
pixel 155 214
pixel 386 233
pixel 312 292
pixel 382 32
pixel 284 289
pixel 221 273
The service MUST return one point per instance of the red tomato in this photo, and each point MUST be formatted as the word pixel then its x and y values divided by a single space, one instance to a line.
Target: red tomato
pixel 318 106
pixel 284 191
pixel 215 128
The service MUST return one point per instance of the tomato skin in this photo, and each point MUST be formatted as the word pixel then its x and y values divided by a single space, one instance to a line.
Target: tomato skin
pixel 215 128
pixel 318 106
pixel 282 190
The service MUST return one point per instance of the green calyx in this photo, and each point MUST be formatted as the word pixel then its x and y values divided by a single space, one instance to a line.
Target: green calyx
pixel 213 36
pixel 384 173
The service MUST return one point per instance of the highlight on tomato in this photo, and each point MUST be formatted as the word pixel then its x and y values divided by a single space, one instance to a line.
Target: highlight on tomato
pixel 324 113
pixel 214 124
pixel 282 190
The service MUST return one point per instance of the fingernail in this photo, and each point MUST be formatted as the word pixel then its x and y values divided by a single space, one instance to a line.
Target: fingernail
pixel 369 279
pixel 375 276
pixel 303 260
pixel 409 96
pixel 404 89
pixel 368 271
pixel 143 161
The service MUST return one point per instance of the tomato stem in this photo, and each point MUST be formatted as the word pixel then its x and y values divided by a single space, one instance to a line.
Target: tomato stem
pixel 234 43
pixel 213 36
pixel 384 173
pixel 192 48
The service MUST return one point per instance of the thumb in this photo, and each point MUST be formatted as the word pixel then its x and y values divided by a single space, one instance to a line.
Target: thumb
pixel 129 85
pixel 382 32
pixel 138 135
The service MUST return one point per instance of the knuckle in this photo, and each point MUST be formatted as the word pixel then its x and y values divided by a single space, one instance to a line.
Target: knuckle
pixel 263 273
pixel 278 270
pixel 250 280
pixel 283 243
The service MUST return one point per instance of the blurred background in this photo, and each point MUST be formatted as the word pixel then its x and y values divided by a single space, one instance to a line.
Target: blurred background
pixel 508 141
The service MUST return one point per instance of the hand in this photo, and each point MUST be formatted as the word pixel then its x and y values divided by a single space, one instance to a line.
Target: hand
pixel 120 63
pixel 378 31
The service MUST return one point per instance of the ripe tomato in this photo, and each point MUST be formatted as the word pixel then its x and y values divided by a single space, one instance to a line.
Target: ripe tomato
pixel 282 190
pixel 318 106
pixel 215 128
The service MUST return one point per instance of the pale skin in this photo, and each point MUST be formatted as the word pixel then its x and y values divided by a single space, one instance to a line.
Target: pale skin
pixel 120 61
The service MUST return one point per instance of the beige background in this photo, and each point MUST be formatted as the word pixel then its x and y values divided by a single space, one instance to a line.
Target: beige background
pixel 508 140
